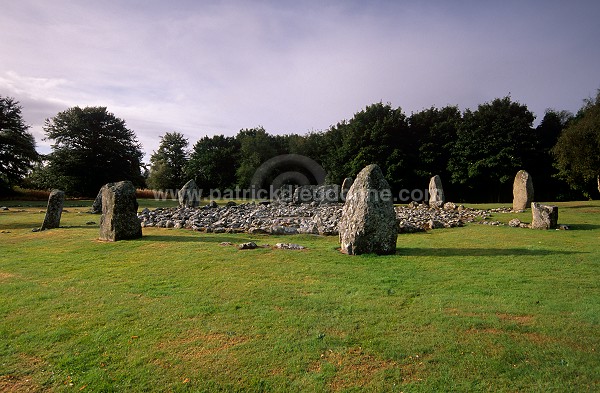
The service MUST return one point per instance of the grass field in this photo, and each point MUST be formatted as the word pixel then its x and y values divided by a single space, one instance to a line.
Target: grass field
pixel 477 308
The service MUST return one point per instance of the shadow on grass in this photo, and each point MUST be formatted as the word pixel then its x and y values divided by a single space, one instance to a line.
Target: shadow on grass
pixel 477 252
pixel 584 227
pixel 193 239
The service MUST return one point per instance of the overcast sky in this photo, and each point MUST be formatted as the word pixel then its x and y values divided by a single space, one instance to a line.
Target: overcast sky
pixel 215 67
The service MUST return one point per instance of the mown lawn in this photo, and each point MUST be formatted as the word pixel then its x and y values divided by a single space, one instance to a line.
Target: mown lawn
pixel 478 308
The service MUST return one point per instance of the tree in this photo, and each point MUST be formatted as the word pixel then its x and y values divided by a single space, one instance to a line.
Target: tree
pixel 256 147
pixel 213 162
pixel 167 164
pixel 91 147
pixel 17 146
pixel 435 131
pixel 492 144
pixel 577 151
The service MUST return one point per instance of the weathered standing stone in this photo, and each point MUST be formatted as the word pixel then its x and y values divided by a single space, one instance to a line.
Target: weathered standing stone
pixel 544 216
pixel 368 223
pixel 54 210
pixel 97 205
pixel 346 184
pixel 189 195
pixel 436 192
pixel 522 191
pixel 119 213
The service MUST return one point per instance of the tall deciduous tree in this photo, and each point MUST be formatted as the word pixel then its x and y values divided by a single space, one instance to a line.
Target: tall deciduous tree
pixel 577 151
pixel 17 145
pixel 256 146
pixel 213 162
pixel 91 147
pixel 167 164
pixel 492 144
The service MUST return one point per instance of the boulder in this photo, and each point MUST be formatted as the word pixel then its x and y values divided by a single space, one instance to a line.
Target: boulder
pixel 189 195
pixel 436 192
pixel 544 216
pixel 522 191
pixel 368 222
pixel 119 213
pixel 54 209
pixel 346 184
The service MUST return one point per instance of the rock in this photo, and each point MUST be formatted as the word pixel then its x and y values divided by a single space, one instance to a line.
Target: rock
pixel 450 206
pixel 90 223
pixel 119 213
pixel 544 216
pixel 97 205
pixel 522 191
pixel 346 184
pixel 247 246
pixel 226 244
pixel 189 195
pixel 4 208
pixel 212 205
pixel 436 192
pixel 54 209
pixel 563 227
pixel 289 246
pixel 515 223
pixel 231 204
pixel 281 230
pixel 368 223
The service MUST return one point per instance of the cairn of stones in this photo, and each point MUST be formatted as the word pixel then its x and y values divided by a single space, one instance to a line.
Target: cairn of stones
pixel 544 216
pixel 436 192
pixel 119 212
pixel 54 210
pixel 368 224
pixel 522 191
pixel 189 195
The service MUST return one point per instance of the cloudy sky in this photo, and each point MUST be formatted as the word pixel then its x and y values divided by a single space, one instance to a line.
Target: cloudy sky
pixel 215 67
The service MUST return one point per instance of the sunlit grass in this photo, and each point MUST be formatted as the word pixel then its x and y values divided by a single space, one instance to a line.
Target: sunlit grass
pixel 477 308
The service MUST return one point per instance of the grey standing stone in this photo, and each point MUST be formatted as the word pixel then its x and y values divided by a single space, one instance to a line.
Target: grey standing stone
pixel 97 205
pixel 189 195
pixel 368 223
pixel 522 191
pixel 436 192
pixel 119 213
pixel 544 216
pixel 54 210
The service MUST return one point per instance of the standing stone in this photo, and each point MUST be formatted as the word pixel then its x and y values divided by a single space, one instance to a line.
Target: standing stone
pixel 97 205
pixel 189 195
pixel 54 210
pixel 436 192
pixel 522 191
pixel 544 216
pixel 346 184
pixel 368 223
pixel 119 212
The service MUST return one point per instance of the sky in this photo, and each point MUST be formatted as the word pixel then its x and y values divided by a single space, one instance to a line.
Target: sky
pixel 215 67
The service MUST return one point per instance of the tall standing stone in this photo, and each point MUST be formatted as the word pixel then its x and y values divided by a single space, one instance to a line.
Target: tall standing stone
pixel 189 195
pixel 119 212
pixel 544 216
pixel 436 192
pixel 522 191
pixel 54 209
pixel 97 205
pixel 368 223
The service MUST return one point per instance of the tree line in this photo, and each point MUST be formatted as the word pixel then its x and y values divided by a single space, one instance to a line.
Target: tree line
pixel 476 152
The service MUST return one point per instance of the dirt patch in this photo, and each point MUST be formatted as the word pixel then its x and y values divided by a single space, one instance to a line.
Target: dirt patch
pixel 356 369
pixel 13 383
pixel 196 344
pixel 5 276
pixel 524 320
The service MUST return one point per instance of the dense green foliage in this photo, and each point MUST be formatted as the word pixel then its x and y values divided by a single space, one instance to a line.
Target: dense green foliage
pixel 476 152
pixel 17 145
pixel 578 149
pixel 472 309
pixel 167 164
pixel 91 147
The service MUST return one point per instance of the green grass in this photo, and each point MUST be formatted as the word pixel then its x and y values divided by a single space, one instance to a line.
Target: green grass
pixel 477 308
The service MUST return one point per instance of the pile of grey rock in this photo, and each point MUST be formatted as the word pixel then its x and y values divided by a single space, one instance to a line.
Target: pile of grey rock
pixel 281 218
